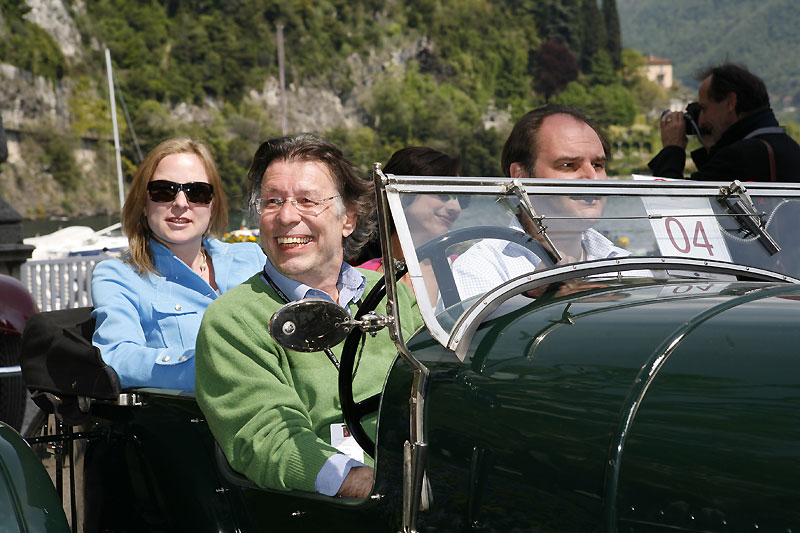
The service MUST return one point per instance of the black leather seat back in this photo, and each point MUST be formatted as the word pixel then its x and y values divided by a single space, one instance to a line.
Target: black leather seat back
pixel 60 364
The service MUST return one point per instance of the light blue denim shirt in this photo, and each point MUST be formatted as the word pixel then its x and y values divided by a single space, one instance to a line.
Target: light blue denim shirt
pixel 351 285
pixel 147 324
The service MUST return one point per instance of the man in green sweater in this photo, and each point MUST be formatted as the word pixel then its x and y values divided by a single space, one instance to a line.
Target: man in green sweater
pixel 275 412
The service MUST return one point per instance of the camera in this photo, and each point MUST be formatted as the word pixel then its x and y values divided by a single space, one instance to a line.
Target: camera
pixel 691 116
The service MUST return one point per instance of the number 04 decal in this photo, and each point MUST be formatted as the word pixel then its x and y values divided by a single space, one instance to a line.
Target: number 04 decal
pixel 686 227
pixel 700 240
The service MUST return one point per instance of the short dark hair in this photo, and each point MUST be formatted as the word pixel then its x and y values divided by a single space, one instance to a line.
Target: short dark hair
pixel 357 193
pixel 422 161
pixel 521 146
pixel 726 78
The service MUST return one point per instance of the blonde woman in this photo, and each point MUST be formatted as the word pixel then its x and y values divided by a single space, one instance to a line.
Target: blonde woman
pixel 149 304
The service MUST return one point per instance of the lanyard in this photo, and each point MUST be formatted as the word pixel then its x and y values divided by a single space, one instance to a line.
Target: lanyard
pixel 283 297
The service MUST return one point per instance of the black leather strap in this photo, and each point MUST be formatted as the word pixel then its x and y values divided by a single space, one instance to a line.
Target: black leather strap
pixel 771 153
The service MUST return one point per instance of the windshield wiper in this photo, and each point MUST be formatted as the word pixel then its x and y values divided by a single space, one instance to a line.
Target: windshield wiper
pixel 516 188
pixel 736 198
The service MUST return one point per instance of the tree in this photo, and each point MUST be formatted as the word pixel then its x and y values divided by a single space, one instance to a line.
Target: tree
pixel 556 20
pixel 613 33
pixel 606 104
pixel 593 34
pixel 602 71
pixel 555 68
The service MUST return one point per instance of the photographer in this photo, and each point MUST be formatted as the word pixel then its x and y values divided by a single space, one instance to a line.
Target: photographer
pixel 740 135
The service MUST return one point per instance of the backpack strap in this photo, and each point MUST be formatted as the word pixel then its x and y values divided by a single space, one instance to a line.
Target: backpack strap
pixel 771 153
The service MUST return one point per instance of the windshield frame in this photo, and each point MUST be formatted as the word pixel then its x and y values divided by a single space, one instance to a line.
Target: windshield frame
pixel 391 187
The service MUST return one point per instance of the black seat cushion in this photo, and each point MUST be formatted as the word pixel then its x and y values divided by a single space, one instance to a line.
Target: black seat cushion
pixel 58 357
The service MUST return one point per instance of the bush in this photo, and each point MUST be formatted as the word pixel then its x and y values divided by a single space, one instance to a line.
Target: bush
pixel 59 157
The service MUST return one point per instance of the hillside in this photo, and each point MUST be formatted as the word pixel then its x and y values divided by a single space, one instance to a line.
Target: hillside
pixel 371 75
pixel 762 34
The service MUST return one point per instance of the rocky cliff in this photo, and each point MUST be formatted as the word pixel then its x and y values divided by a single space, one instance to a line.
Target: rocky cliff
pixel 43 118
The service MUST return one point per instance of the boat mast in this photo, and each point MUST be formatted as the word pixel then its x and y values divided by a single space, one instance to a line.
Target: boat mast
pixel 116 130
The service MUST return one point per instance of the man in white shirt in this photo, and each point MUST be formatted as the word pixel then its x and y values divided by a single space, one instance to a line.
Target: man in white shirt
pixel 555 142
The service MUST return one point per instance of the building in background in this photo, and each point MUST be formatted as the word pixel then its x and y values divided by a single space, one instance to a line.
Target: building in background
pixel 659 70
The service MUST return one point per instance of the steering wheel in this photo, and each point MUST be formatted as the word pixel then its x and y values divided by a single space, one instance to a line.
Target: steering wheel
pixel 354 411
pixel 435 251
pixel 436 248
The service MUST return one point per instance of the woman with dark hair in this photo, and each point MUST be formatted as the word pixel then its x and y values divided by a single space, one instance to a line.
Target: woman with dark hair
pixel 148 304
pixel 428 215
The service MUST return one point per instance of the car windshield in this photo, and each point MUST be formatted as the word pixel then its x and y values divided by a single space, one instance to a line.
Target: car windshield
pixel 468 240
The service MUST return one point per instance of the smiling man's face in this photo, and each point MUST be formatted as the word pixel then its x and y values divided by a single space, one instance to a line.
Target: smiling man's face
pixel 304 247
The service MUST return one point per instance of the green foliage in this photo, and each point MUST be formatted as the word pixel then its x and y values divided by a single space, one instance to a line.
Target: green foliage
pixel 602 70
pixel 411 109
pixel 28 46
pixel 58 156
pixel 466 56
pixel 613 34
pixel 632 63
pixel 647 94
pixel 360 145
pixel 792 130
pixel 556 21
pixel 88 114
pixel 606 104
pixel 476 48
pixel 593 38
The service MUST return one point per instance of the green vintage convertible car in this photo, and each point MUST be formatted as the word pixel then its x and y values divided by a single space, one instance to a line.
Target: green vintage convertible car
pixel 618 355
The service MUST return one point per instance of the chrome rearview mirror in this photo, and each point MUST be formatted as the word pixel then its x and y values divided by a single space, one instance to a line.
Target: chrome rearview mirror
pixel 309 325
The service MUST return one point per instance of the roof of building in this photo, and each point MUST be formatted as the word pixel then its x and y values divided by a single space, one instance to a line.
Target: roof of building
pixel 653 60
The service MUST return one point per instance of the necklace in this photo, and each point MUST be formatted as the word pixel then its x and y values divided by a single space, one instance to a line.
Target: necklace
pixel 204 264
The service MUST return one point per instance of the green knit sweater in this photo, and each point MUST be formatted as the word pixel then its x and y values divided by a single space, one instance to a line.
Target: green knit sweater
pixel 270 408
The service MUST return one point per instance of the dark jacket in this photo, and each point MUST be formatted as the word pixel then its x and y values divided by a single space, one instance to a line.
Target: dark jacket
pixel 734 157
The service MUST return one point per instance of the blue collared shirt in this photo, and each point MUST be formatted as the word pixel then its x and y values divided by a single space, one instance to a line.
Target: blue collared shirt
pixel 351 285
pixel 147 323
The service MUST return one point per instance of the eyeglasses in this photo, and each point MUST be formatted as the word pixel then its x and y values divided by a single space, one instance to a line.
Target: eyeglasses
pixel 196 192
pixel 463 201
pixel 306 206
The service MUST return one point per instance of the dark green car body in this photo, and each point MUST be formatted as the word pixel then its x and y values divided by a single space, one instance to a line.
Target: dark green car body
pixel 625 404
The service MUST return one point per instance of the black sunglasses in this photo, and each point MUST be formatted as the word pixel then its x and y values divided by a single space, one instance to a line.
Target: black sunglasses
pixel 196 192
pixel 463 200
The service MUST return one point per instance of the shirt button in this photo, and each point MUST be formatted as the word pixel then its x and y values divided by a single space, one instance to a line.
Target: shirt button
pixel 182 358
pixel 164 359
pixel 177 307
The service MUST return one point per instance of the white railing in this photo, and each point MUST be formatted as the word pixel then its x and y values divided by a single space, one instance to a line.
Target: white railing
pixel 61 283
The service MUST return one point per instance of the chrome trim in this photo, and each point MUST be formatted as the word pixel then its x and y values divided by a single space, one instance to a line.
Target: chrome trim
pixel 619 187
pixel 130 400
pixel 468 323
pixel 394 185
pixel 748 216
pixel 415 452
pixel 10 371
pixel 525 205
